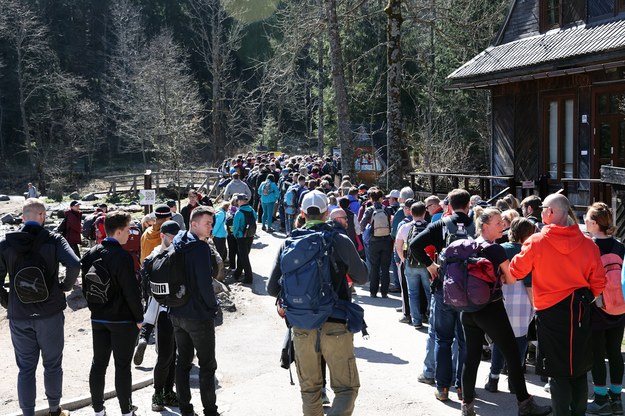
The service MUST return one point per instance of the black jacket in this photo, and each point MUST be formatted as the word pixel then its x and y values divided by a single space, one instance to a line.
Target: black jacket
pixel 54 250
pixel 125 303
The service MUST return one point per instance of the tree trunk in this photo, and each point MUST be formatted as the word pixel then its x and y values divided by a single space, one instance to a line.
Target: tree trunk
pixel 217 72
pixel 395 148
pixel 23 116
pixel 340 91
pixel 320 109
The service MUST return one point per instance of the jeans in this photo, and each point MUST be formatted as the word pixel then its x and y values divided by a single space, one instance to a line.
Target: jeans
pixel 244 245
pixel 195 335
pixel 607 343
pixel 379 255
pixel 491 320
pixel 336 344
pixel 165 367
pixel 30 338
pixel 497 358
pixel 118 338
pixel 418 279
pixel 267 214
pixel 447 326
pixel 288 223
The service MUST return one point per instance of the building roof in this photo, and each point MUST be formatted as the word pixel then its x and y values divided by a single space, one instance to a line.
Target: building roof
pixel 557 52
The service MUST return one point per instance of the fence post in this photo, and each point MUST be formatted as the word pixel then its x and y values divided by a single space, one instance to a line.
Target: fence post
pixel 147 184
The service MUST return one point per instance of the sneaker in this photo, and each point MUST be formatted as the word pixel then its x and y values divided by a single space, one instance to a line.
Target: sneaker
pixel 140 351
pixel 442 394
pixel 264 228
pixel 491 385
pixel 426 380
pixel 547 388
pixel 170 398
pixel 101 412
pixel 59 412
pixel 468 409
pixel 405 320
pixel 615 403
pixel 459 393
pixel 271 230
pixel 158 402
pixel 530 408
pixel 418 326
pixel 324 397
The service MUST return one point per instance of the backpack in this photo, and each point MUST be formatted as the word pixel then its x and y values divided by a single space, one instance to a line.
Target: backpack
pixel 250 224
pixel 291 197
pixel 97 286
pixel 307 296
pixel 453 232
pixel 381 222
pixel 613 301
pixel 415 229
pixel 32 280
pixel 266 191
pixel 229 221
pixel 166 274
pixel 88 225
pixel 470 282
pixel 62 227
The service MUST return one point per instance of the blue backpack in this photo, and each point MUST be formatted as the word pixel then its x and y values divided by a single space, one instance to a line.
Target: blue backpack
pixel 308 297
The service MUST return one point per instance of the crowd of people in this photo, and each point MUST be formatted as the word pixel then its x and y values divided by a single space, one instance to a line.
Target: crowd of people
pixel 553 281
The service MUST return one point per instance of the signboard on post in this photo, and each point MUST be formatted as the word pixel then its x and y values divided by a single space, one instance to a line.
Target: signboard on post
pixel 147 196
pixel 527 184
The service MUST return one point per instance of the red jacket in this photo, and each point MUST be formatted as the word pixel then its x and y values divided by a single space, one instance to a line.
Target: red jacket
pixel 561 260
pixel 73 226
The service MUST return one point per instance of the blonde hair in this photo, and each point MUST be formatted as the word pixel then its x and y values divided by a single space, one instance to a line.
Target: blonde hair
pixel 602 215
pixel 509 215
pixel 483 217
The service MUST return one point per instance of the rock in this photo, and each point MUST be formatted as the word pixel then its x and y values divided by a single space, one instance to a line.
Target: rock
pixel 7 219
pixel 134 208
pixel 60 213
pixel 4 198
pixel 74 195
pixel 90 197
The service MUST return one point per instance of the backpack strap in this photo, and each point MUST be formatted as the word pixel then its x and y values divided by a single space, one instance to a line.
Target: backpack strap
pixel 448 227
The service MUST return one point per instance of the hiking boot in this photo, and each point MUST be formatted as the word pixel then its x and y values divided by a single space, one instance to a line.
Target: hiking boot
pixel 158 402
pixel 442 394
pixel 170 398
pixel 324 397
pixel 140 351
pixel 491 385
pixel 59 412
pixel 426 380
pixel 468 409
pixel 530 408
pixel 615 403
pixel 459 393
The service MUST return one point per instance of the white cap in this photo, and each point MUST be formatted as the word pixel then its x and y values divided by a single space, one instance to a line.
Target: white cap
pixel 394 194
pixel 315 199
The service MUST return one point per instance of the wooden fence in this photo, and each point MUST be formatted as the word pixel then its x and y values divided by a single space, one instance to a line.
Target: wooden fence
pixel 204 181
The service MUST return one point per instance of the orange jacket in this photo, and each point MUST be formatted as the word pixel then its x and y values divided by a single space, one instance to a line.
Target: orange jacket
pixel 150 239
pixel 561 260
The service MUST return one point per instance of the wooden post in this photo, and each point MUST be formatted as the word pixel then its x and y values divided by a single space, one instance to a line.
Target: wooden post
pixel 455 182
pixel 147 184
pixel 512 185
pixel 433 184
pixel 413 183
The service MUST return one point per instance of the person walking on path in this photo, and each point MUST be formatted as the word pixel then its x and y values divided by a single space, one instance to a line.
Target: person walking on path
pixel 243 228
pixel 269 194
pixel 73 227
pixel 37 326
pixel 567 276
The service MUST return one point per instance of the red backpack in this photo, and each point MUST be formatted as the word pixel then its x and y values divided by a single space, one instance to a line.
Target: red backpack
pixel 613 301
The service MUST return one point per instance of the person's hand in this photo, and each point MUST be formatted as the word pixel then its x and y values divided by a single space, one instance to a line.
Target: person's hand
pixel 433 269
pixel 139 325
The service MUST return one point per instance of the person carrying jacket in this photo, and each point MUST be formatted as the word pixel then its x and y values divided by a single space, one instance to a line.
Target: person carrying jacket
pixel 335 342
pixel 73 227
pixel 269 194
pixel 244 242
pixel 37 328
pixel 567 276
pixel 193 322
pixel 115 323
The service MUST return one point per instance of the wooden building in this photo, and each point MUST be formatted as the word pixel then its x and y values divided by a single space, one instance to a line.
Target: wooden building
pixel 556 73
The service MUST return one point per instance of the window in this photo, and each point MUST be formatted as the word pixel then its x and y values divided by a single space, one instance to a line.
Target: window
pixel 549 14
pixel 560 133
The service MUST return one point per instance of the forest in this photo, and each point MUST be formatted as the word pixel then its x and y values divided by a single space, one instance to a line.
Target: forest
pixel 88 86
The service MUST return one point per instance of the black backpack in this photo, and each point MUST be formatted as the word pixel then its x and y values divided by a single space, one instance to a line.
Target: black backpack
pixel 32 280
pixel 250 224
pixel 415 228
pixel 97 285
pixel 88 225
pixel 168 280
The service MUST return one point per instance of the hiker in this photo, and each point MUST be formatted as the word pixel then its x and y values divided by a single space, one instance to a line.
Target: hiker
pixel 36 319
pixel 269 194
pixel 175 215
pixel 32 191
pixel 332 339
pixel 73 227
pixel 244 230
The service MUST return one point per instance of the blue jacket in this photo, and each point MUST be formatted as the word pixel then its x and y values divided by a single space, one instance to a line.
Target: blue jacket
pixel 354 204
pixel 202 305
pixel 274 192
pixel 238 224
pixel 219 224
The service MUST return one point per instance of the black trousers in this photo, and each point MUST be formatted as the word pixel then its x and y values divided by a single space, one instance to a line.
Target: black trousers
pixel 568 395
pixel 118 338
pixel 244 245
pixel 165 367
pixel 493 321
pixel 233 250
pixel 195 335
pixel 220 245
pixel 405 303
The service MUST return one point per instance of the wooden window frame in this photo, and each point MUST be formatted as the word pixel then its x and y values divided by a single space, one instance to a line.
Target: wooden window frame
pixel 543 20
pixel 561 98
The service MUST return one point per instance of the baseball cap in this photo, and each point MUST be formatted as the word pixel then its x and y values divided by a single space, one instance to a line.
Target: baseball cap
pixel 170 227
pixel 394 194
pixel 409 202
pixel 74 203
pixel 162 211
pixel 314 203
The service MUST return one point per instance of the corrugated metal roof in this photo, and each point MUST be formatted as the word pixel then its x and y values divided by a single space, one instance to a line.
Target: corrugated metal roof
pixel 555 45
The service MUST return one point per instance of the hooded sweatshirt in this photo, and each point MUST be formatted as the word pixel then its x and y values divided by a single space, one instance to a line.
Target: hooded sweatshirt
pixel 561 260
pixel 150 239
pixel 202 305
